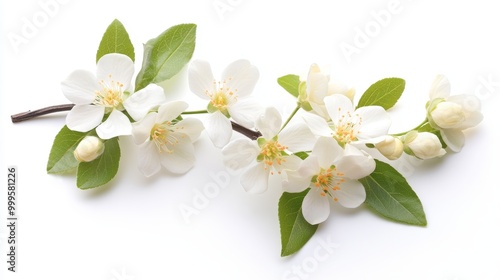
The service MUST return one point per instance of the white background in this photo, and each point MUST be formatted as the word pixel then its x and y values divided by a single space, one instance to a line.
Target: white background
pixel 133 228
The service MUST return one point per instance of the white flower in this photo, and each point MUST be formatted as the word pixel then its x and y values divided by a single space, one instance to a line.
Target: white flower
pixel 88 149
pixel 270 154
pixel 348 125
pixel 317 87
pixel 165 140
pixel 424 145
pixel 332 173
pixel 227 96
pixel 452 114
pixel 390 147
pixel 106 92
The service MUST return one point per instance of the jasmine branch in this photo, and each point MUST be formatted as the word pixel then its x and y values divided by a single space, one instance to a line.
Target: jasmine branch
pixel 24 116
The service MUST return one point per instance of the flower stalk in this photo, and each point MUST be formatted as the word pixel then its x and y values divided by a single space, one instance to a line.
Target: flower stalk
pixel 28 115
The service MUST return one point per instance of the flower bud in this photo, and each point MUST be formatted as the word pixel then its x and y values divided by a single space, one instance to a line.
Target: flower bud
pixel 424 145
pixel 390 147
pixel 88 149
pixel 448 115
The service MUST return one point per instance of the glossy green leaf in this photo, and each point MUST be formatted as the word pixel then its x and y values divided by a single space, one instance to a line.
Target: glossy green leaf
pixel 61 158
pixel 389 194
pixel 384 93
pixel 165 55
pixel 115 40
pixel 101 170
pixel 295 230
pixel 290 83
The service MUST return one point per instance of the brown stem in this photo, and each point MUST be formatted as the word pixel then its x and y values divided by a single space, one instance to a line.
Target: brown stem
pixel 40 112
pixel 253 135
pixel 66 107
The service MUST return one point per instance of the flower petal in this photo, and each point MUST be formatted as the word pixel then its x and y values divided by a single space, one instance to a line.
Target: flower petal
pixel 315 207
pixel 309 167
pixel 317 125
pixel 201 79
pixel 319 109
pixel 191 127
pixel 375 122
pixel 181 159
pixel 338 105
pixel 454 138
pixel 79 87
pixel 245 112
pixel 115 67
pixel 471 106
pixel 297 137
pixel 239 153
pixel 149 159
pixel 255 179
pixel 440 88
pixel 141 131
pixel 240 77
pixel 317 85
pixel 171 110
pixel 269 123
pixel 472 119
pixel 219 129
pixel 116 124
pixel 295 182
pixel 351 194
pixel 83 118
pixel 355 164
pixel 291 162
pixel 327 151
pixel 146 99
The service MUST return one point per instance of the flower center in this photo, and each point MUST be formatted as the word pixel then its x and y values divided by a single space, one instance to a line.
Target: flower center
pixel 164 137
pixel 221 98
pixel 272 152
pixel 346 129
pixel 110 95
pixel 328 181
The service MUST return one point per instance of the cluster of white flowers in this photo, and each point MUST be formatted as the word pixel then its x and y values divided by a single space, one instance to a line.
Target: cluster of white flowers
pixel 325 151
pixel 336 138
pixel 100 102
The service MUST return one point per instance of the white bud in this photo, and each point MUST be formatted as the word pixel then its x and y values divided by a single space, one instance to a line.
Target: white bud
pixel 390 147
pixel 88 149
pixel 448 115
pixel 425 145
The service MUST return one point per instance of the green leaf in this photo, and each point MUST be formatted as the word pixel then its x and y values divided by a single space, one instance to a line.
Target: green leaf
pixel 302 155
pixel 101 170
pixel 115 40
pixel 290 83
pixel 388 194
pixel 295 230
pixel 165 55
pixel 385 93
pixel 61 158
